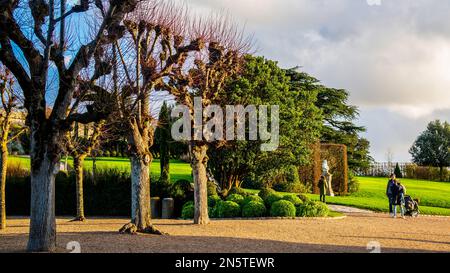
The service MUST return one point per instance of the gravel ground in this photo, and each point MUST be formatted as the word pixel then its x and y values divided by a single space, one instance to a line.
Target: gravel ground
pixel 351 234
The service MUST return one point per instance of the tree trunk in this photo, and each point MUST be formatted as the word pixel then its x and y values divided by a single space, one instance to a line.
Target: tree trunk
pixel 140 193
pixel 441 174
pixel 78 167
pixel 42 217
pixel 198 162
pixel 140 184
pixel 4 167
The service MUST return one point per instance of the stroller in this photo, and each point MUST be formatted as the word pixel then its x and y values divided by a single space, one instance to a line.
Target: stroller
pixel 411 206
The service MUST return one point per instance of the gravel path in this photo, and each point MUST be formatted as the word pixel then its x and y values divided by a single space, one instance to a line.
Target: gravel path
pixel 351 234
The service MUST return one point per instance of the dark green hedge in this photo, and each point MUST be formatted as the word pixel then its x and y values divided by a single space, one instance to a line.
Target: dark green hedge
pixel 110 195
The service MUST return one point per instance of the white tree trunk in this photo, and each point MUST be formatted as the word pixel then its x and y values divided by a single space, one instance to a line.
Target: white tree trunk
pixel 42 215
pixel 199 161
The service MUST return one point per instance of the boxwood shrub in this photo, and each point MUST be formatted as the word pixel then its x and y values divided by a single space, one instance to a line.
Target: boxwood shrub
pixel 282 208
pixel 272 198
pixel 264 192
pixel 293 199
pixel 250 198
pixel 237 198
pixel 312 209
pixel 213 200
pixel 254 209
pixel 228 209
pixel 188 210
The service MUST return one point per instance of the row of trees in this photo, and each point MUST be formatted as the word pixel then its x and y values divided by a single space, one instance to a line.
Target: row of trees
pixel 129 49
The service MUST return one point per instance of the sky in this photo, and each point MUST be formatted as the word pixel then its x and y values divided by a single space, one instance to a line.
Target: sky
pixel 393 56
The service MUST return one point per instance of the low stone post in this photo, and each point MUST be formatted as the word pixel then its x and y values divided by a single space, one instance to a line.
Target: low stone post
pixel 155 203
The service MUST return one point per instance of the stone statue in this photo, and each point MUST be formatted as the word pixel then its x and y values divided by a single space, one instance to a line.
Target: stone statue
pixel 328 177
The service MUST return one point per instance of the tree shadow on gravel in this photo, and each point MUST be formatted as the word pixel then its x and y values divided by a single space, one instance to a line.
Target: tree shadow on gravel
pixel 113 242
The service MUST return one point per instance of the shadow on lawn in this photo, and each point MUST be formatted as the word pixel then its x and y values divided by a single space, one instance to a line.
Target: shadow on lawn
pixel 113 242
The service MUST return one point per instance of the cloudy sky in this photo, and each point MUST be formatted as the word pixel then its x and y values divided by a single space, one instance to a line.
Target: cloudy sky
pixel 394 57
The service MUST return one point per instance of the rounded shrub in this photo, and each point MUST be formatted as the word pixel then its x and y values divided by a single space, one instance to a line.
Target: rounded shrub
pixel 228 209
pixel 313 209
pixel 272 198
pixel 282 208
pixel 293 199
pixel 239 191
pixel 237 198
pixel 250 198
pixel 254 209
pixel 303 197
pixel 188 210
pixel 264 192
pixel 213 200
pixel 322 209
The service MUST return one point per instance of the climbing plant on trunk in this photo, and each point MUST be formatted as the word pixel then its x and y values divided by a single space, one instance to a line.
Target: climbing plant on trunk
pixel 47 54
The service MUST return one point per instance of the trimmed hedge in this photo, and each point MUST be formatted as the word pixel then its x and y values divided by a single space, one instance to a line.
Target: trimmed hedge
pixel 264 192
pixel 228 209
pixel 213 200
pixel 272 198
pixel 250 198
pixel 312 209
pixel 237 198
pixel 188 211
pixel 293 199
pixel 254 209
pixel 282 208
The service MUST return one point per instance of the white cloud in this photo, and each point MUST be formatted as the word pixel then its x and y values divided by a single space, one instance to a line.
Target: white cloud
pixel 393 57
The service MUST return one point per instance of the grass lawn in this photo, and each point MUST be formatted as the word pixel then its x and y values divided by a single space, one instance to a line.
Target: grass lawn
pixel 178 169
pixel 434 196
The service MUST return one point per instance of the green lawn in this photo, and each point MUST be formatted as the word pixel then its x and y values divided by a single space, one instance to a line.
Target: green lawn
pixel 434 196
pixel 178 169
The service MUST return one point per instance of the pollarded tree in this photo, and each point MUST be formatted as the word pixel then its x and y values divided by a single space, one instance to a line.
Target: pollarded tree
pixel 9 103
pixel 220 59
pixel 432 147
pixel 157 43
pixel 79 147
pixel 36 30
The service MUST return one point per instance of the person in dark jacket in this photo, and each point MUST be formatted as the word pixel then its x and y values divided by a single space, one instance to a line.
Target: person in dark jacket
pixel 389 193
pixel 322 188
pixel 400 199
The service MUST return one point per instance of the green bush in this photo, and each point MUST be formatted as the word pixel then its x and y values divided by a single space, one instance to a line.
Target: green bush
pixel 282 208
pixel 303 197
pixel 237 198
pixel 264 192
pixel 212 212
pixel 188 210
pixel 312 209
pixel 272 198
pixel 211 188
pixel 353 183
pixel 322 209
pixel 293 199
pixel 228 209
pixel 254 209
pixel 213 200
pixel 250 198
pixel 239 191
